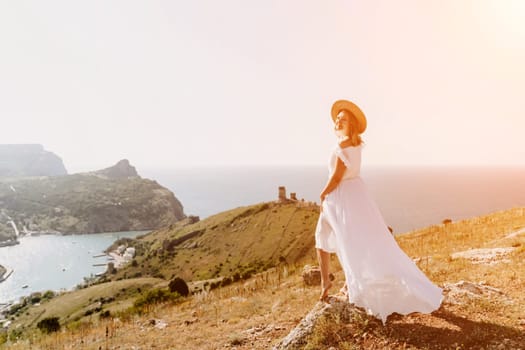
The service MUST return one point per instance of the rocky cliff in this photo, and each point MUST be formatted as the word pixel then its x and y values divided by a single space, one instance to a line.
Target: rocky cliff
pixel 120 170
pixel 112 199
pixel 29 160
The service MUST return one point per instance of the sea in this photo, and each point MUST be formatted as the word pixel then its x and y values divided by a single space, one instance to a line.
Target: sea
pixel 408 197
pixel 54 262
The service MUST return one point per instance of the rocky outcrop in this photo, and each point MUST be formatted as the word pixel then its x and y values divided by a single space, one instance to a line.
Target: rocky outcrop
pixel 121 170
pixel 488 256
pixel 114 199
pixel 464 292
pixel 312 275
pixel 29 160
pixel 366 332
pixel 336 307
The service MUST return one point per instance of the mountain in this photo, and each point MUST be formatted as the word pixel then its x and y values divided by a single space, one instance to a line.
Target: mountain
pixel 29 160
pixel 112 199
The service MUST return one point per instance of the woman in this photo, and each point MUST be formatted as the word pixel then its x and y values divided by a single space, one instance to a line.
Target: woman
pixel 379 276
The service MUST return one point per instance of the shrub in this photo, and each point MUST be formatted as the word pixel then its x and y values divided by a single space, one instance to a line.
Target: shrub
pixel 226 281
pixel 15 334
pixel 155 296
pixel 48 295
pixel 3 337
pixel 158 274
pixel 247 274
pixel 236 277
pixel 49 325
pixel 16 308
pixel 179 285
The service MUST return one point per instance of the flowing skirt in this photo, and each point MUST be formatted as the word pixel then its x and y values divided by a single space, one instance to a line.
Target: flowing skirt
pixel 380 277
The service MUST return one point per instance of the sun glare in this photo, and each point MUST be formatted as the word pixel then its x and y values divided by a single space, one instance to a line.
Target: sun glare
pixel 504 20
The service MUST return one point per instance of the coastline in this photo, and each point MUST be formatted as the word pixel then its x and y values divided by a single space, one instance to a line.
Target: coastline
pixel 115 258
pixel 8 243
pixel 65 269
pixel 5 272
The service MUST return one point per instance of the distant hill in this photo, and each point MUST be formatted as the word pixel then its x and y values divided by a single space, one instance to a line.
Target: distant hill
pixel 112 199
pixel 239 242
pixel 29 160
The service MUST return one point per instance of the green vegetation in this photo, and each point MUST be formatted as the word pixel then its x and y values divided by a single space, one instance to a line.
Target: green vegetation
pixel 234 244
pixel 86 203
pixel 178 285
pixel 48 325
pixel 155 296
pixel 78 306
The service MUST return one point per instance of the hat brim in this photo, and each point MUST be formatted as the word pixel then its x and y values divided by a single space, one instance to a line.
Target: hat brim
pixel 352 108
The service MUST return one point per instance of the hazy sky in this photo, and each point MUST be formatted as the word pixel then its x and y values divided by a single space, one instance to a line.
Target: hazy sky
pixel 178 83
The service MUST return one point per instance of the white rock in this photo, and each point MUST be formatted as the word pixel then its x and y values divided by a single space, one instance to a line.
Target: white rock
pixel 484 255
pixel 160 324
pixel 131 251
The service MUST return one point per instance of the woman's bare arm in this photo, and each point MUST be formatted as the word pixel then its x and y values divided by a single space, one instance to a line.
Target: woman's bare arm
pixel 335 178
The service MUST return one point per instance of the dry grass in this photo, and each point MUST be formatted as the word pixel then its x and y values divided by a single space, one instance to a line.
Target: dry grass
pixel 496 321
pixel 257 313
pixel 434 246
pixel 248 315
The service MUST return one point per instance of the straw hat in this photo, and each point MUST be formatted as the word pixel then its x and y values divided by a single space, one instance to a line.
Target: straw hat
pixel 352 108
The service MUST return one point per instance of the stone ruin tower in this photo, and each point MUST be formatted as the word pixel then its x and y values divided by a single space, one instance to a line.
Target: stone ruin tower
pixel 282 196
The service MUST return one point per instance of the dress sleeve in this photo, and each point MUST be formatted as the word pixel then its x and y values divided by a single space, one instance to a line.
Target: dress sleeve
pixel 339 152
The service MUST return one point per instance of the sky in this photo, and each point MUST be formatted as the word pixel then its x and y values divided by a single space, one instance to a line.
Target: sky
pixel 170 84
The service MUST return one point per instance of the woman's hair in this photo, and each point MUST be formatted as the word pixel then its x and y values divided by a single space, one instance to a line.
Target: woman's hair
pixel 354 135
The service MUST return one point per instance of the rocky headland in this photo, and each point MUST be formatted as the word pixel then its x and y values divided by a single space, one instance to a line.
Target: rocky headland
pixel 29 160
pixel 108 200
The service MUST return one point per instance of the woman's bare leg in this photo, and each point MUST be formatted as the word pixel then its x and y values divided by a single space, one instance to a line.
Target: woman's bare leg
pixel 324 264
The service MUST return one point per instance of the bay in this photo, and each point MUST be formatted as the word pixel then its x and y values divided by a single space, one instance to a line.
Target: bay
pixel 53 262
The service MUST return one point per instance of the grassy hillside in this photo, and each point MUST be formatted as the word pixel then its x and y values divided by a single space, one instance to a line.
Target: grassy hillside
pixel 238 242
pixel 484 311
pixel 232 245
pixel 73 307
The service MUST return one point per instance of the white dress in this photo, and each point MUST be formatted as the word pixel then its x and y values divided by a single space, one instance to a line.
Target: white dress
pixel 380 277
